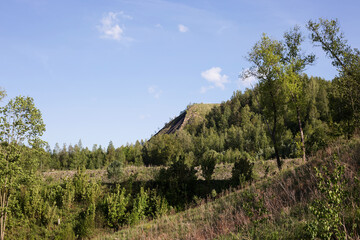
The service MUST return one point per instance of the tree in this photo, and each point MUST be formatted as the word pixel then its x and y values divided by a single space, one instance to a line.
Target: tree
pixel 295 62
pixel 266 57
pixel 208 163
pixel 20 122
pixel 346 60
pixel 115 170
pixel 110 153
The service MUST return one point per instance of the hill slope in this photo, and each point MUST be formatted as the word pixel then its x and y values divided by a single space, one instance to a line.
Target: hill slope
pixel 276 207
pixel 193 115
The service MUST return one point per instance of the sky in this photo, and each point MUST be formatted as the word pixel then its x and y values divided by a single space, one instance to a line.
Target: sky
pixel 116 70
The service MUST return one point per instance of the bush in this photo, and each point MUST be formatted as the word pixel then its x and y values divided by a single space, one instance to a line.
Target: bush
pixel 327 211
pixel 138 212
pixel 157 205
pixel 116 204
pixel 242 170
pixel 208 163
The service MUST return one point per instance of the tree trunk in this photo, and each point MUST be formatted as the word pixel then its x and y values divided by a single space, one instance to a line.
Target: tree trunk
pixel 273 133
pixel 301 134
pixel 4 203
pixel 278 160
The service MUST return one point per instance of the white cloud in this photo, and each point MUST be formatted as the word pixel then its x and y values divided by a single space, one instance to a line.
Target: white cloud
pixel 183 28
pixel 110 28
pixel 155 91
pixel 213 75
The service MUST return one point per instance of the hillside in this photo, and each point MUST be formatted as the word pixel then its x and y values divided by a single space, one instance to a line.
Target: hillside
pixel 276 207
pixel 193 115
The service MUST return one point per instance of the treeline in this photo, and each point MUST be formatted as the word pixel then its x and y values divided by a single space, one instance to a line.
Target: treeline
pixel 73 157
pixel 234 129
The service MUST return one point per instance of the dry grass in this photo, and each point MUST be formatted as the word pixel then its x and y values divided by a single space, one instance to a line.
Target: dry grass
pixel 140 173
pixel 276 196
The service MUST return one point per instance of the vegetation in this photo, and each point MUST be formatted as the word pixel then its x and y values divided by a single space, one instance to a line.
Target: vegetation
pixel 209 173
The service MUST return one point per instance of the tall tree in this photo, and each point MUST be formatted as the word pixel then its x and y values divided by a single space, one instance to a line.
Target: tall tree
pixel 345 59
pixel 110 153
pixel 20 122
pixel 266 56
pixel 295 62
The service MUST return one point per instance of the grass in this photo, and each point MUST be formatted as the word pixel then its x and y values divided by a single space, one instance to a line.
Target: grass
pixel 273 207
pixel 140 173
pixel 208 219
pixel 195 113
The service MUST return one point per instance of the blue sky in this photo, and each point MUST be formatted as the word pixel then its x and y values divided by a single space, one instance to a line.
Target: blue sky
pixel 102 70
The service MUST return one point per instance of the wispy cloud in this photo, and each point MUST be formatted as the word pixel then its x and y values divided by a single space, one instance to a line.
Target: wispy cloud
pixel 155 91
pixel 213 76
pixel 110 28
pixel 183 28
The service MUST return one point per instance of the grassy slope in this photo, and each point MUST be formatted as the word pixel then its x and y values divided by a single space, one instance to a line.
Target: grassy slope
pixel 275 207
pixel 194 115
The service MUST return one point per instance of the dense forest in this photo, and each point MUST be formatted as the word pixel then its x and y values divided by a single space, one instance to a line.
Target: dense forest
pixel 286 115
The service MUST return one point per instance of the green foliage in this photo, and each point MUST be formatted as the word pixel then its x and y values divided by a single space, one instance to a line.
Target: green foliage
pixel 177 172
pixel 266 57
pixel 176 180
pixel 84 189
pixel 346 59
pixel 327 211
pixel 20 121
pixel 208 162
pixel 141 203
pixel 115 170
pixel 242 170
pixel 157 205
pixel 162 149
pixel 116 204
pixel 85 221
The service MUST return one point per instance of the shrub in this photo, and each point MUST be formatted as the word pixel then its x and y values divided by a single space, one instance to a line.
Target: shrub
pixel 138 212
pixel 157 205
pixel 116 204
pixel 242 170
pixel 328 222
pixel 208 163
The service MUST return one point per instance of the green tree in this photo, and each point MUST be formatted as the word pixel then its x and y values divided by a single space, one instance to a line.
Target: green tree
pixel 295 62
pixel 346 60
pixel 116 204
pixel 208 163
pixel 266 57
pixel 242 170
pixel 20 123
pixel 115 170
pixel 110 153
